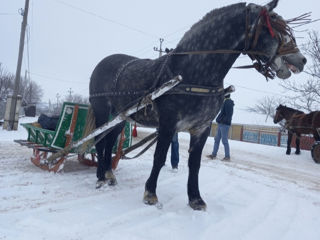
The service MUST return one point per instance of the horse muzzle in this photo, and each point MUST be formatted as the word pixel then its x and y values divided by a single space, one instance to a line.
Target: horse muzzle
pixel 284 65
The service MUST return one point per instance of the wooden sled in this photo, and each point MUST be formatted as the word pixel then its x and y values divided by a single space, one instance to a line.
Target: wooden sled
pixel 70 128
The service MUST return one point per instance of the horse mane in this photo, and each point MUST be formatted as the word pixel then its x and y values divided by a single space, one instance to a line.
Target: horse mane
pixel 291 109
pixel 215 13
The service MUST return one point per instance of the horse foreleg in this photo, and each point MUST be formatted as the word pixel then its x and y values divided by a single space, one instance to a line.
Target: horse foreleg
pixel 197 142
pixel 159 159
pixel 297 144
pixel 289 143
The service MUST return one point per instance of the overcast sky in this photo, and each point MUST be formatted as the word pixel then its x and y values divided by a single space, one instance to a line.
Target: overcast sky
pixel 67 38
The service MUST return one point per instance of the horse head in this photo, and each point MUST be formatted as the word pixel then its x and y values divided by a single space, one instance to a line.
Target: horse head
pixel 279 116
pixel 272 37
pixel 284 112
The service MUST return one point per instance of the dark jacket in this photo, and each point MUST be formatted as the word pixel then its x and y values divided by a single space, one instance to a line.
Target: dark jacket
pixel 47 122
pixel 225 115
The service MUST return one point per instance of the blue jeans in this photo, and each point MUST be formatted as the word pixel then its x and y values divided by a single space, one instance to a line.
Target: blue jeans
pixel 221 133
pixel 174 151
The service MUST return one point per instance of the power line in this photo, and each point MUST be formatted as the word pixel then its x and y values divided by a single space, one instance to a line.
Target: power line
pixel 258 90
pixel 7 14
pixel 121 24
pixel 56 79
pixel 106 19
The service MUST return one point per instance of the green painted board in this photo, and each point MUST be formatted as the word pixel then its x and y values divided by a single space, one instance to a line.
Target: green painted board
pixel 57 139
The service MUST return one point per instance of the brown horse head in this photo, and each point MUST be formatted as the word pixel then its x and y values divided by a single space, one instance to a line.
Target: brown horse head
pixel 284 112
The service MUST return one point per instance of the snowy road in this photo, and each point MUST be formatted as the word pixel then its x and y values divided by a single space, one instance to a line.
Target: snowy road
pixel 261 194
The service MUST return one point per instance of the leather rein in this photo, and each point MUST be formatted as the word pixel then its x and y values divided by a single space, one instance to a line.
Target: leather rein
pixel 276 30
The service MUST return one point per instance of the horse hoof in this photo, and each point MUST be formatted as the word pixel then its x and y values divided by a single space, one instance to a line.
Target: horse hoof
pixel 100 183
pixel 150 198
pixel 110 178
pixel 198 204
pixel 297 153
pixel 288 153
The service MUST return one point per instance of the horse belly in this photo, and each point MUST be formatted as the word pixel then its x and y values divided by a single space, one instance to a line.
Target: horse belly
pixel 191 112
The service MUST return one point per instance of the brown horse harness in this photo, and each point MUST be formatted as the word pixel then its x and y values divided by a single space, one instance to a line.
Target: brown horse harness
pixel 287 126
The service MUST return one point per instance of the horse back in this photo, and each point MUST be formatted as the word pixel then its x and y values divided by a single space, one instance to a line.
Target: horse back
pixel 305 123
pixel 105 72
pixel 119 81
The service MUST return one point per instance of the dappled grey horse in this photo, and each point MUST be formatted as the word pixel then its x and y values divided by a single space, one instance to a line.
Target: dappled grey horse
pixel 203 57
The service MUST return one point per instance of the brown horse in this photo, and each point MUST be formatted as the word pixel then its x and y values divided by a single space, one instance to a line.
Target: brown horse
pixel 297 122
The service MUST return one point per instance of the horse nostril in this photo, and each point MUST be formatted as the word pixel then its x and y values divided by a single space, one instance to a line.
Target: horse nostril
pixel 304 60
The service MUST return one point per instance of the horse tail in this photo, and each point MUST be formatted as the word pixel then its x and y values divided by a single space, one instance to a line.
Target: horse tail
pixel 89 127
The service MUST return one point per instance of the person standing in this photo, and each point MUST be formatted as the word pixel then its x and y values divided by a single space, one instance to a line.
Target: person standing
pixel 224 122
pixel 175 152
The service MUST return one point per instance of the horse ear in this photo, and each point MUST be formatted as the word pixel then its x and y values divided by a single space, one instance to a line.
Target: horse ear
pixel 271 5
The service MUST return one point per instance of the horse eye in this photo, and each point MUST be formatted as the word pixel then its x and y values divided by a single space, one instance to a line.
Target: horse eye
pixel 273 17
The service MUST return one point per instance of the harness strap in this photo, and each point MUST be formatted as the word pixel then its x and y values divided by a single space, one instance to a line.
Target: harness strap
pixel 153 137
pixel 123 67
pixel 188 89
pixel 142 151
pixel 119 93
pixel 196 90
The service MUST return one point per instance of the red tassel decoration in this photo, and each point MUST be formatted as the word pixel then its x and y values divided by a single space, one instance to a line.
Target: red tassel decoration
pixel 134 131
pixel 266 16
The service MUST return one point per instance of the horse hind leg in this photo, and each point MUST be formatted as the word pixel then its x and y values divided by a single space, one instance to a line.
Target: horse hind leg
pixel 110 139
pixel 101 117
pixel 316 135
pixel 104 145
pixel 297 144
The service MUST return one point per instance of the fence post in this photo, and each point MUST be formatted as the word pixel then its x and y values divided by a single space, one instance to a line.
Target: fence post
pixel 279 139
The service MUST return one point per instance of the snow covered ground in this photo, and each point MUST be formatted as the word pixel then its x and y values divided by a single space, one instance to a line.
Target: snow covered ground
pixel 261 194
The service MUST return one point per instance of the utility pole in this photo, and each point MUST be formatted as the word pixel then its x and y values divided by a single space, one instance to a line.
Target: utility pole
pixel 70 92
pixel 57 96
pixel 13 120
pixel 159 50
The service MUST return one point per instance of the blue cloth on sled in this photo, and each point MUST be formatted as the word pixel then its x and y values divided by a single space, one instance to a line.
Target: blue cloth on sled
pixel 47 122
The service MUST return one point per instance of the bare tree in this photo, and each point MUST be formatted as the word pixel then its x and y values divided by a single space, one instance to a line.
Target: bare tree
pixel 266 106
pixel 306 96
pixel 6 83
pixel 76 98
pixel 30 91
pixel 312 49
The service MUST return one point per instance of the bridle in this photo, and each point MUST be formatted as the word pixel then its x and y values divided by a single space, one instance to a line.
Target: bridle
pixel 278 116
pixel 278 28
